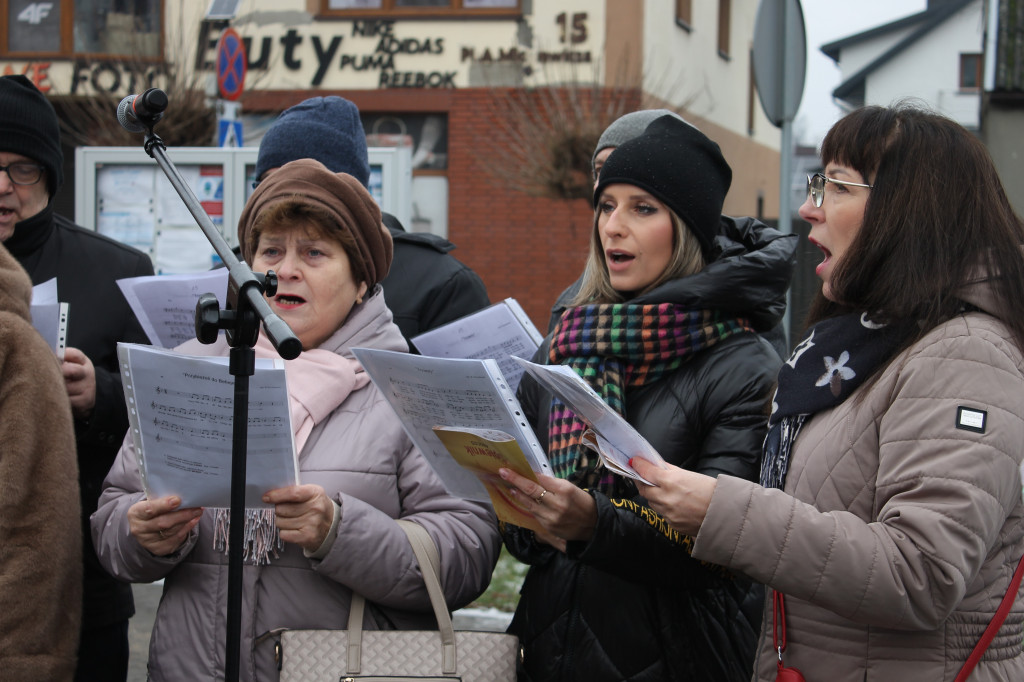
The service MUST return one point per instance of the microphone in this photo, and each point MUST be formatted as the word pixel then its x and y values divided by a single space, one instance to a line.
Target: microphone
pixel 136 113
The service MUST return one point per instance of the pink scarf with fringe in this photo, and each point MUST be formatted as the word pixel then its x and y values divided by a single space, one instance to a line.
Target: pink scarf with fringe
pixel 318 382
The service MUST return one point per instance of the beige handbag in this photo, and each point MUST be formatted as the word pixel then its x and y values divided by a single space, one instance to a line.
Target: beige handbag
pixel 399 655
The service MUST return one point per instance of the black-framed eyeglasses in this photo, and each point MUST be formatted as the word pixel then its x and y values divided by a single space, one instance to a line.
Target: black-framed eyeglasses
pixel 23 172
pixel 816 186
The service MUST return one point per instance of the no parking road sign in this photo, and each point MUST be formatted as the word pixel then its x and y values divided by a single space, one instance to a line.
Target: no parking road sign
pixel 231 64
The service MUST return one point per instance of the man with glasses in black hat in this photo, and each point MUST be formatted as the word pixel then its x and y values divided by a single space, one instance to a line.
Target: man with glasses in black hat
pixel 86 266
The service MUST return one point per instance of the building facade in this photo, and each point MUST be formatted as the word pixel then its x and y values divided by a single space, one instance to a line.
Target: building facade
pixel 1002 111
pixel 935 56
pixel 500 101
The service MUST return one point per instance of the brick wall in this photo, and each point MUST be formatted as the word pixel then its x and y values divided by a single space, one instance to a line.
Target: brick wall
pixel 523 246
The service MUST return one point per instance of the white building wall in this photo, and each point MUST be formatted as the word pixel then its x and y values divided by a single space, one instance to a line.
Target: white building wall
pixel 929 70
pixel 684 67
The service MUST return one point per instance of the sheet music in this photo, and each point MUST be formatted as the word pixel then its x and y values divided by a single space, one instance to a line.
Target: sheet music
pixel 426 392
pixel 45 292
pixel 612 436
pixel 181 410
pixel 166 304
pixel 50 316
pixel 498 332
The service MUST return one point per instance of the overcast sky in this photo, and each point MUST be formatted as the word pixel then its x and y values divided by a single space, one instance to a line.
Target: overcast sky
pixel 824 22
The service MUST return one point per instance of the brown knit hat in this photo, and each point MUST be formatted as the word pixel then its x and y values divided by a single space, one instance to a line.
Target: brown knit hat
pixel 340 194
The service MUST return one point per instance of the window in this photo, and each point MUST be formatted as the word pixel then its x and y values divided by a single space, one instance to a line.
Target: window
pixel 420 8
pixel 684 13
pixel 66 28
pixel 724 9
pixel 970 72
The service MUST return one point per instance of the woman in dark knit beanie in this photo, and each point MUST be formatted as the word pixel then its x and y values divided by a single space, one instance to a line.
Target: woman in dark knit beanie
pixel 612 593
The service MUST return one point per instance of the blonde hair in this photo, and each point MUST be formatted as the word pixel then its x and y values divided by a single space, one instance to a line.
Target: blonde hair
pixel 596 287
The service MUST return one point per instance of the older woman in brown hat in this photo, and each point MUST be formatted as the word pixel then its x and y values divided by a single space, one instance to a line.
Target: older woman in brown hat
pixel 321 233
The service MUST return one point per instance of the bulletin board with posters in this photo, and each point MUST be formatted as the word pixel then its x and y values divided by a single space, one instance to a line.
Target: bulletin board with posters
pixel 122 193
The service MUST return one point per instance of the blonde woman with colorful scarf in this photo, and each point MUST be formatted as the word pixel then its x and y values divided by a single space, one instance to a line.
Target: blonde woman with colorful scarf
pixel 661 328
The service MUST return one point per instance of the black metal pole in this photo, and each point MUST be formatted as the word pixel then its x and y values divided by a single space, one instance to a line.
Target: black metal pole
pixel 245 309
pixel 242 365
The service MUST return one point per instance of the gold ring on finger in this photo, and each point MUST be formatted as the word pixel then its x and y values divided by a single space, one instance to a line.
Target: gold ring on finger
pixel 540 498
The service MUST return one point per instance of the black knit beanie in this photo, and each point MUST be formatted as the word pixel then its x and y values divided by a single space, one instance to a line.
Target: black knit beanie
pixel 29 126
pixel 327 129
pixel 681 167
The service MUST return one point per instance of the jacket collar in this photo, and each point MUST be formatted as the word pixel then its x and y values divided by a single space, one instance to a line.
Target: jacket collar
pixel 30 234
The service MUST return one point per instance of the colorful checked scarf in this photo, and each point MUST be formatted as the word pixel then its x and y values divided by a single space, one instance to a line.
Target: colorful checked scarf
pixel 615 347
pixel 834 358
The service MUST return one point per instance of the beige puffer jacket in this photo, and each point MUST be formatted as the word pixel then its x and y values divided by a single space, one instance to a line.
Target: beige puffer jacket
pixel 898 532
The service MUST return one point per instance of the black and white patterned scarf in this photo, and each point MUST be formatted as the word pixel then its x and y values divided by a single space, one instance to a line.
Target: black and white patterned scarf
pixel 835 357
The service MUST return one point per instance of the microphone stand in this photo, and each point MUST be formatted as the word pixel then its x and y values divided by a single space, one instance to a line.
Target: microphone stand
pixel 245 309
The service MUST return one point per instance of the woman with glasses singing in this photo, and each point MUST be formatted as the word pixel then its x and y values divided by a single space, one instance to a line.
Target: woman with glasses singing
pixel 662 329
pixel 888 519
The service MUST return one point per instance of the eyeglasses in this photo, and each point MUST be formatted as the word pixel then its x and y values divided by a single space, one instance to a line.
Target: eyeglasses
pixel 23 173
pixel 816 186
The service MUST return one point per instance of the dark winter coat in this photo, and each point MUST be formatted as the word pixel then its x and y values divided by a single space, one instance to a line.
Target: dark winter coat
pixel 427 286
pixel 631 603
pixel 86 265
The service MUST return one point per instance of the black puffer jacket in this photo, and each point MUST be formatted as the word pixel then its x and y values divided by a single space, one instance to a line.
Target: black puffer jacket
pixel 631 604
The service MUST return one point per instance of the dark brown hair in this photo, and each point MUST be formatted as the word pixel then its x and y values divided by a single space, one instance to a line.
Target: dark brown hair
pixel 317 222
pixel 936 220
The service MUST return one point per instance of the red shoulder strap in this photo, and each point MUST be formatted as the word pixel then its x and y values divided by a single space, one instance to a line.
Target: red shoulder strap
pixel 994 625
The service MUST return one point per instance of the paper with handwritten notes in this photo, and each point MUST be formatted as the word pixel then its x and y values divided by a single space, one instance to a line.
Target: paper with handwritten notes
pixel 181 411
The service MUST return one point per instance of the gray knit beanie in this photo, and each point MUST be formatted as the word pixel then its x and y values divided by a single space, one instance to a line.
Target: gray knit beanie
pixel 628 126
pixel 681 167
pixel 327 129
pixel 29 126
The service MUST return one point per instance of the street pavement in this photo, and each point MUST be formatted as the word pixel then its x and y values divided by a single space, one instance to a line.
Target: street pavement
pixel 147 598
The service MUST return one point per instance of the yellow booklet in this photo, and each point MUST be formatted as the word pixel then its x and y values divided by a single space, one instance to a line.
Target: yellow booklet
pixel 483 452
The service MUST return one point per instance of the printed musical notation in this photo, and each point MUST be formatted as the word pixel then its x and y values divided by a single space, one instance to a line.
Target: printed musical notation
pixel 181 410
pixel 499 332
pixel 165 304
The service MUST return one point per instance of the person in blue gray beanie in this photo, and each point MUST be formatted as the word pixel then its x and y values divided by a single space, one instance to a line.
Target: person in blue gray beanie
pixel 426 287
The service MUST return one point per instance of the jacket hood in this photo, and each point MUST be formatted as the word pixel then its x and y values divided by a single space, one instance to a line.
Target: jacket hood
pixel 368 325
pixel 425 239
pixel 15 287
pixel 980 293
pixel 748 277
